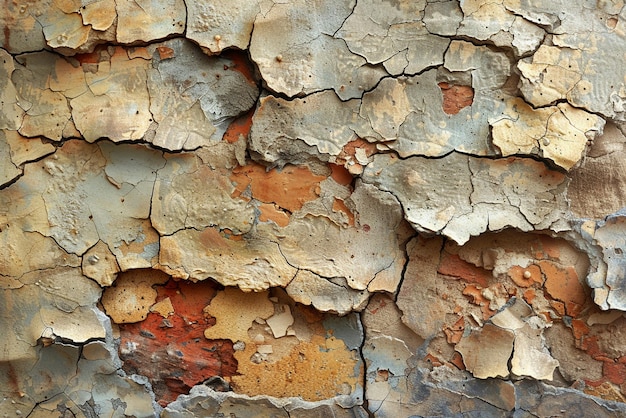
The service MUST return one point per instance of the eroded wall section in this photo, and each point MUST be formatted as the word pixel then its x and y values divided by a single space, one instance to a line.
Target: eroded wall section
pixel 341 208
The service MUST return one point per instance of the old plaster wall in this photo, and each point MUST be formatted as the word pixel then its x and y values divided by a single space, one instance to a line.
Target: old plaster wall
pixel 301 208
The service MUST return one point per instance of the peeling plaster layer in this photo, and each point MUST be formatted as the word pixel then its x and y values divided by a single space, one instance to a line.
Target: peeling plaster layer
pixel 459 204
pixel 327 62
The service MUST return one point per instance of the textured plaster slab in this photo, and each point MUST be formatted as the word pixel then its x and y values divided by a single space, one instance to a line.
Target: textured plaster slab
pixel 62 25
pixel 235 311
pixel 75 195
pixel 325 295
pixel 221 24
pixel 46 111
pixel 116 105
pixel 9 171
pixel 558 133
pixel 305 57
pixel 530 356
pixel 51 303
pixel 410 111
pixel 597 187
pixel 315 243
pixel 386 359
pixel 252 262
pixel 528 195
pixel 181 198
pixel 442 18
pixel 577 67
pixel 494 22
pixel 25 32
pixel 289 131
pixel 423 311
pixel 11 114
pixel 203 400
pixel 146 21
pixel 131 296
pixel 99 264
pixel 100 14
pixel 193 96
pixel 24 149
pixel 384 32
pixel 486 352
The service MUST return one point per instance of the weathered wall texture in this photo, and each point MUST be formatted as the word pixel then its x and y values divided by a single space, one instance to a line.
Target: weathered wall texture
pixel 312 208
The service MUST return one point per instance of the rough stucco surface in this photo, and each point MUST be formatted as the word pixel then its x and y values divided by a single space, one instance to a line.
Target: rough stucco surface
pixel 312 208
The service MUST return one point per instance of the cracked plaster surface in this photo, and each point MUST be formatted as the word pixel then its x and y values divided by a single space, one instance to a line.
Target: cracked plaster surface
pixel 371 207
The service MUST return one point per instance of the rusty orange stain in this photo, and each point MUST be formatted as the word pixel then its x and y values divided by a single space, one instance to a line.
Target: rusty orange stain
pixel 455 332
pixel 289 188
pixel 239 127
pixel 562 284
pixel 340 206
pixel 165 52
pixel 212 238
pixel 340 175
pixel 240 63
pixel 433 360
pixel 477 298
pixel 452 265
pixel 88 58
pixel 269 212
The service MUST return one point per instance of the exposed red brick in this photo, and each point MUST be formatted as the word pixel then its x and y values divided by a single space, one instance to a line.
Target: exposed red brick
pixel 172 352
pixel 456 97
pixel 614 372
pixel 579 328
